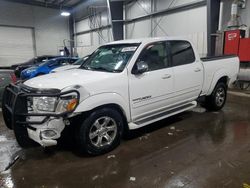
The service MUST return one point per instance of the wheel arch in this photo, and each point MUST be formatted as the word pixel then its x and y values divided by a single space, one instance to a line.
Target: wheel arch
pixel 220 76
pixel 110 100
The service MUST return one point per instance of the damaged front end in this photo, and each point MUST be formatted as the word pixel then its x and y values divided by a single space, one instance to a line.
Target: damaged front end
pixel 43 112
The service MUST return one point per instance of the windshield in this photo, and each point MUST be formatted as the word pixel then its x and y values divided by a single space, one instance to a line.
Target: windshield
pixel 110 58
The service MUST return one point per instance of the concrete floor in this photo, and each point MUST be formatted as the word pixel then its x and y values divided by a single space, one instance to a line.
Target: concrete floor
pixel 193 149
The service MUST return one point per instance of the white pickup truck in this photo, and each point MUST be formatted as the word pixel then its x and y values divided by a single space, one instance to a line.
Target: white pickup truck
pixel 124 85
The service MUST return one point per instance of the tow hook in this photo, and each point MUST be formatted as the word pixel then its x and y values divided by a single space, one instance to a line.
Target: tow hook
pixel 66 122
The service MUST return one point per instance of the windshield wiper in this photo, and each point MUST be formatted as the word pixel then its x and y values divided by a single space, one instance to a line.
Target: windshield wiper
pixel 102 69
pixel 85 67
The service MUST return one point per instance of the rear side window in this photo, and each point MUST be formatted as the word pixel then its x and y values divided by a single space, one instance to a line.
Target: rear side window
pixel 181 52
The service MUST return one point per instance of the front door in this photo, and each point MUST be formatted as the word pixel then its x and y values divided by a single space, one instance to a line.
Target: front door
pixel 151 91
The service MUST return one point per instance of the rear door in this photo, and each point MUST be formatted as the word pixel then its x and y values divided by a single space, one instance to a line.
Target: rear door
pixel 151 91
pixel 188 72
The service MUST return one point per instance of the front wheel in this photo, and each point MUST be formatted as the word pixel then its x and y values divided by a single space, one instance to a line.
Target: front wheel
pixel 217 99
pixel 100 132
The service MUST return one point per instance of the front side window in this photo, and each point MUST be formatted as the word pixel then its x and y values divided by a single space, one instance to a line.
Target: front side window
pixel 110 58
pixel 181 52
pixel 155 55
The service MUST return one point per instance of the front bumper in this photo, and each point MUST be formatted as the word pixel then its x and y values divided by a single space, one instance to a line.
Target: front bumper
pixel 44 128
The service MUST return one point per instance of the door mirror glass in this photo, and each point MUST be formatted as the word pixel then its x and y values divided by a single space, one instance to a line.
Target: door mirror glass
pixel 140 67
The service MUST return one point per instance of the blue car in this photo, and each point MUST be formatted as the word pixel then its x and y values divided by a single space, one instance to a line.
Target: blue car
pixel 46 67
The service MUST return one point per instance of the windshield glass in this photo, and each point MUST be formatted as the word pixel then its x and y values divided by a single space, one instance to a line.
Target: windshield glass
pixel 110 58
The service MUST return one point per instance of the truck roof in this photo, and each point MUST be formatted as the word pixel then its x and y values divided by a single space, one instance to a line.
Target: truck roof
pixel 146 40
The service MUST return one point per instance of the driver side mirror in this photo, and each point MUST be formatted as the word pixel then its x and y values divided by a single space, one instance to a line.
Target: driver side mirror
pixel 140 68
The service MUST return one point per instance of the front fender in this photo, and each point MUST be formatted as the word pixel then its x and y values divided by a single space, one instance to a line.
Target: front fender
pixel 217 75
pixel 101 99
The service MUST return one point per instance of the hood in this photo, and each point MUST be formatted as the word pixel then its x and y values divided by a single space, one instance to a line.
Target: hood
pixel 64 68
pixel 29 70
pixel 68 78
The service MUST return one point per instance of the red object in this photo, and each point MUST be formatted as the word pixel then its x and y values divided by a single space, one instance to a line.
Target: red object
pixel 244 50
pixel 232 42
pixel 13 77
pixel 235 44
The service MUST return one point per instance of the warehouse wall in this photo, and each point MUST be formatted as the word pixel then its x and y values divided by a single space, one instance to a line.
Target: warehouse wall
pixel 244 13
pixel 87 43
pixel 50 28
pixel 190 23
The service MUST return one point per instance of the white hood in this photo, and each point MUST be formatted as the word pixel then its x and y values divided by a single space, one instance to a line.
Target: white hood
pixel 68 78
pixel 64 68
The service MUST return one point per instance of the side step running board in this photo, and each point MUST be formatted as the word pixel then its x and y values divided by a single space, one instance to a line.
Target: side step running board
pixel 163 115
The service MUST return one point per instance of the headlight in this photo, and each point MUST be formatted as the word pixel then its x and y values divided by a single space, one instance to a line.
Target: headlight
pixel 30 71
pixel 46 104
pixel 56 105
pixel 67 104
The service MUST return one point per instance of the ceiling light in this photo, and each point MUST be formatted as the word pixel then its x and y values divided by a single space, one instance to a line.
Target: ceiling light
pixel 65 13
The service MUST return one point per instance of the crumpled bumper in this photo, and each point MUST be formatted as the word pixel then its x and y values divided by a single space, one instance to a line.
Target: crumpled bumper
pixel 46 134
pixel 43 128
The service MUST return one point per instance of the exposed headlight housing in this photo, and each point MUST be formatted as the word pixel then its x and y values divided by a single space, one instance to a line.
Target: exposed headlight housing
pixel 57 105
pixel 67 104
pixel 45 104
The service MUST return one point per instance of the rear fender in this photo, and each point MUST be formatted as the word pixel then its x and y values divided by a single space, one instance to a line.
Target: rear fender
pixel 217 76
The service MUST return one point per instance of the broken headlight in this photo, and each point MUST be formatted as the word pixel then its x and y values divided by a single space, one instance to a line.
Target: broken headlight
pixel 67 104
pixel 45 104
pixel 56 105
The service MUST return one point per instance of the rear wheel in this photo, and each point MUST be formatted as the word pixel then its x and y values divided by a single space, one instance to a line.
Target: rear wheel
pixel 217 99
pixel 100 132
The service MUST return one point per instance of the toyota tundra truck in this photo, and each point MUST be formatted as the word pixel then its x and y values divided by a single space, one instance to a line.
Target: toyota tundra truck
pixel 124 85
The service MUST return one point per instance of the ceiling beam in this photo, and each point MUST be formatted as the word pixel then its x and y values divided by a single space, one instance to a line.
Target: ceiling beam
pixel 65 2
pixel 36 3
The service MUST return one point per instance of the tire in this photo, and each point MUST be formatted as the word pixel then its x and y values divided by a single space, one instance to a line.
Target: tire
pixel 22 137
pixel 92 134
pixel 217 99
pixel 6 113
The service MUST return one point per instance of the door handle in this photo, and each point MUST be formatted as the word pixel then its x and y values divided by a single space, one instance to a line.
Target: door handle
pixel 197 70
pixel 166 76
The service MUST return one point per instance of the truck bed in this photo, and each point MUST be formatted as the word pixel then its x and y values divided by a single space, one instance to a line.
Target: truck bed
pixel 217 66
pixel 219 57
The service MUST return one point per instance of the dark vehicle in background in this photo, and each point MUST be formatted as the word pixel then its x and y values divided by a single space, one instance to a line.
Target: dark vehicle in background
pixel 6 77
pixel 46 67
pixel 18 68
pixel 75 65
